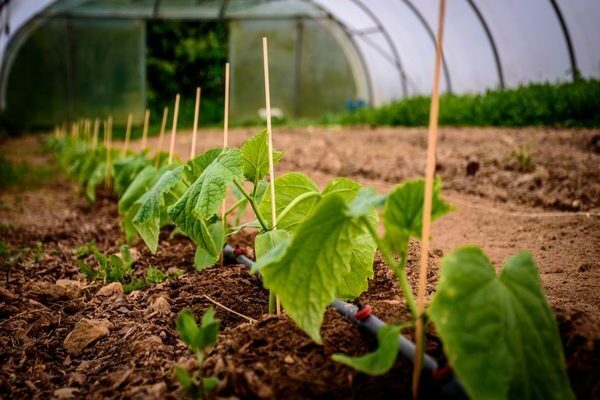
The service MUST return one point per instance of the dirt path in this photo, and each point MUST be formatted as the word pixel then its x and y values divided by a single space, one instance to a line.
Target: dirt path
pixel 541 208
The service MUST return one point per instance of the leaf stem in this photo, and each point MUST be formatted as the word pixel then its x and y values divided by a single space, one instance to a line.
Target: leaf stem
pixel 399 267
pixel 233 207
pixel 259 216
pixel 272 302
pixel 295 202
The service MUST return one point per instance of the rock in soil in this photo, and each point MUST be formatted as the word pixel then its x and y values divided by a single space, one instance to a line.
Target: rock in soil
pixel 46 291
pixel 112 289
pixel 72 288
pixel 161 306
pixel 86 332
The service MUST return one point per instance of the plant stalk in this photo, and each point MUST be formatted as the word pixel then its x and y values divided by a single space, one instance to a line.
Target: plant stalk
pixel 259 216
pixel 297 201
pixel 233 207
pixel 399 267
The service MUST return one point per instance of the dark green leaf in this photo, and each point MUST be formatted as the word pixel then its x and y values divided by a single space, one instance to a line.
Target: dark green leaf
pixel 499 333
pixel 403 212
pixel 381 360
pixel 255 154
pixel 295 188
pixel 306 273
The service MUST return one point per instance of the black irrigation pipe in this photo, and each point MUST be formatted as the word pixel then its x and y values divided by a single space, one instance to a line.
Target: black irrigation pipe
pixel 370 323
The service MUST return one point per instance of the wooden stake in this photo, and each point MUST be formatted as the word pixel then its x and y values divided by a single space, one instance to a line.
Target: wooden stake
pixel 174 129
pixel 225 138
pixel 195 128
pixel 145 128
pixel 127 134
pixel 270 147
pixel 108 151
pixel 429 177
pixel 163 127
pixel 95 135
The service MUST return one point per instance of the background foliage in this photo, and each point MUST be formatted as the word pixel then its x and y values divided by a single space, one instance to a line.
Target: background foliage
pixel 182 55
pixel 572 104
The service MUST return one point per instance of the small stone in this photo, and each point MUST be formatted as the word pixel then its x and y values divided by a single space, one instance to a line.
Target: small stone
pixel 85 333
pixel 72 287
pixel 112 289
pixel 162 335
pixel 289 360
pixel 48 291
pixel 150 343
pixel 161 306
pixel 576 204
pixel 66 393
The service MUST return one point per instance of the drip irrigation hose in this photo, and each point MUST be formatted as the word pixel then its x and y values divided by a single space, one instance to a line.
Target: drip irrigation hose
pixel 370 323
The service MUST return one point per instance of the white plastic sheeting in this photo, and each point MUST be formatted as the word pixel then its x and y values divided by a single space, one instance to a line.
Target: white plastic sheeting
pixel 488 44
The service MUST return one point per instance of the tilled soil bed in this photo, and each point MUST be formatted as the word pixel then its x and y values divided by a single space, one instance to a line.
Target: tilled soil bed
pixel 44 297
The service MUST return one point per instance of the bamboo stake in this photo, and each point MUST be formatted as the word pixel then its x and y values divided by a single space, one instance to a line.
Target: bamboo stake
pixel 225 136
pixel 108 152
pixel 270 146
pixel 145 128
pixel 429 176
pixel 127 134
pixel 195 128
pixel 95 135
pixel 225 144
pixel 163 126
pixel 174 128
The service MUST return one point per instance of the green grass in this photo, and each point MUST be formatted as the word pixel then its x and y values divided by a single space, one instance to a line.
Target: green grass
pixel 20 173
pixel 573 104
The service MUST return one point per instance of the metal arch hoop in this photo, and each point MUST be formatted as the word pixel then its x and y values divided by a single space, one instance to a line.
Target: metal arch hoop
pixel 423 21
pixel 356 48
pixel 390 42
pixel 490 37
pixel 567 35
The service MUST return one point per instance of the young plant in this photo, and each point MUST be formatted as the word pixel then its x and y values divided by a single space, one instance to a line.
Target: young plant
pixel 113 268
pixel 500 314
pixel 199 339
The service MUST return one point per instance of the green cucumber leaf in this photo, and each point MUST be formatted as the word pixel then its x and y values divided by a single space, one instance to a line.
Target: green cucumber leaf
pixel 403 212
pixel 363 254
pixel 140 185
pixel 361 267
pixel 206 194
pixel 200 163
pixel 204 197
pixel 126 169
pixel 379 361
pixel 266 241
pixel 147 221
pixel 288 187
pixel 203 259
pixel 305 273
pixel 95 179
pixel 255 155
pixel 366 200
pixel 499 332
pixel 344 187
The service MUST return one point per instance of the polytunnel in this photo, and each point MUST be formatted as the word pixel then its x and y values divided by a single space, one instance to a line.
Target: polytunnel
pixel 325 52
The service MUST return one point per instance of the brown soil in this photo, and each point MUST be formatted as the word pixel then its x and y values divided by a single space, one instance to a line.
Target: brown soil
pixel 500 208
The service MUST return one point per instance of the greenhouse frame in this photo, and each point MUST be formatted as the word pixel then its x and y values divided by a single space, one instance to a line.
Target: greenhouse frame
pixel 384 48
